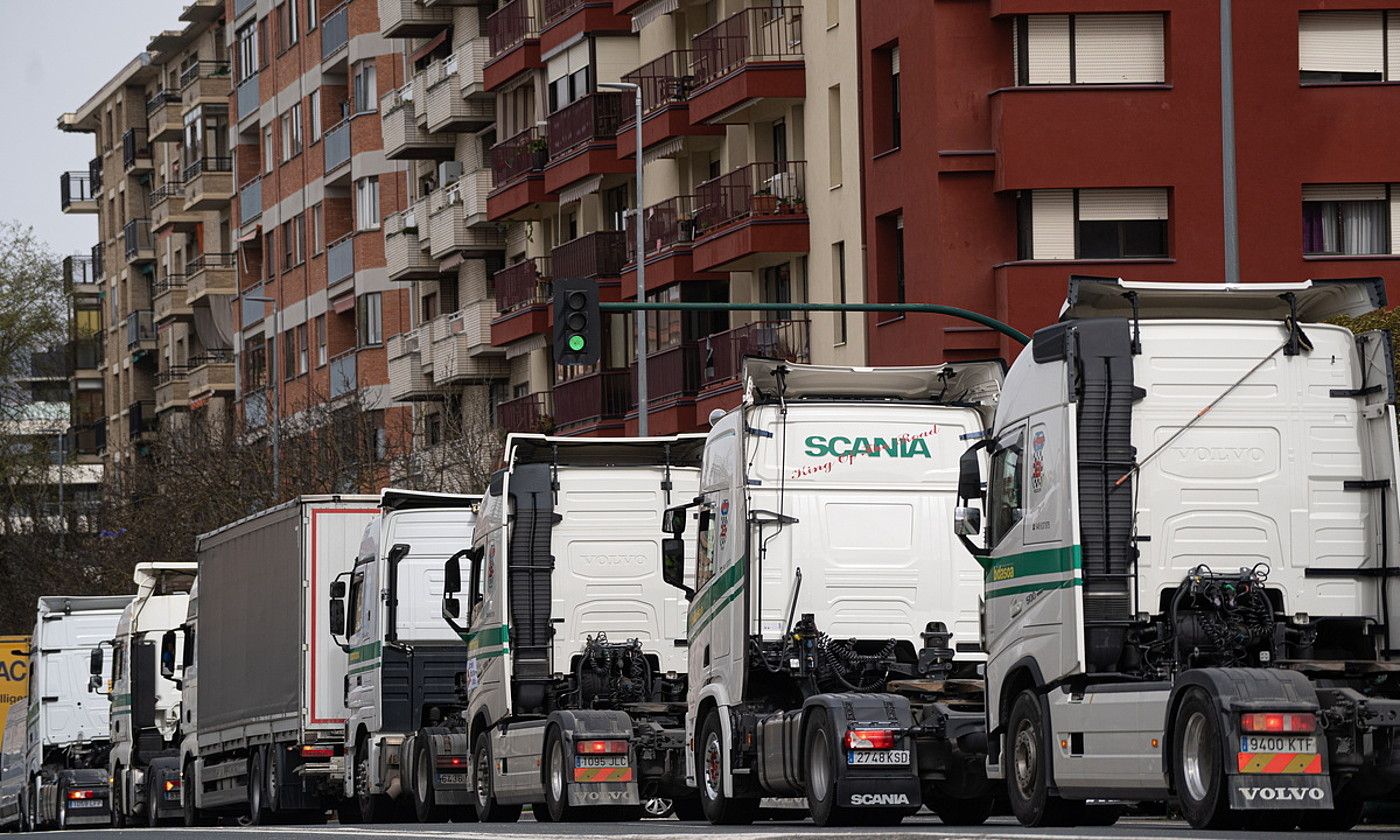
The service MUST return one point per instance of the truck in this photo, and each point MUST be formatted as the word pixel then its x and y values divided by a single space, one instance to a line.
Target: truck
pixel 14 702
pixel 67 729
pixel 403 657
pixel 143 764
pixel 574 681
pixel 1190 557
pixel 834 651
pixel 264 693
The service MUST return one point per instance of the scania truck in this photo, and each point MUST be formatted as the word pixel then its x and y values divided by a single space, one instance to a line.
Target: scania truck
pixel 143 764
pixel 1191 557
pixel 574 682
pixel 833 627
pixel 400 690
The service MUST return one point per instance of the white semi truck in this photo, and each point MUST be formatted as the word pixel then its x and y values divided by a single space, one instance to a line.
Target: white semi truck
pixel 143 764
pixel 833 627
pixel 1191 529
pixel 67 733
pixel 574 682
pixel 404 659
pixel 265 704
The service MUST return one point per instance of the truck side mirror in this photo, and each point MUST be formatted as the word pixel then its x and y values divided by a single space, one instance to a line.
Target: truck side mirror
pixel 451 586
pixel 967 521
pixel 167 655
pixel 337 617
pixel 673 564
pixel 337 589
pixel 673 520
pixel 95 662
pixel 398 552
pixel 970 474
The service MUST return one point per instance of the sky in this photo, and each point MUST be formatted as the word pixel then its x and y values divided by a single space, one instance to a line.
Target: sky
pixel 54 54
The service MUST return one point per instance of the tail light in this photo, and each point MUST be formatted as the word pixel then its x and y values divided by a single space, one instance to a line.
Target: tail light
pixel 869 739
pixel 614 747
pixel 310 751
pixel 1278 722
pixel 172 785
pixel 82 794
pixel 451 762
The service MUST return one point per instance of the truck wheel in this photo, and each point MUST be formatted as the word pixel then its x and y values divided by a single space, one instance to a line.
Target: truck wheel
pixel 425 806
pixel 557 769
pixel 1345 814
pixel 1028 777
pixel 62 813
pixel 116 802
pixel 374 807
pixel 487 808
pixel 1198 771
pixel 194 818
pixel 954 811
pixel 257 810
pixel 821 772
pixel 347 812
pixel 688 809
pixel 710 760
pixel 152 801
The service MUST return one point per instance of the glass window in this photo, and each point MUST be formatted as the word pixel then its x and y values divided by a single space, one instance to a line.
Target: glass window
pixel 706 540
pixel 318 234
pixel 1004 488
pixel 316 115
pixel 1346 227
pixel 365 96
pixel 367 203
pixel 289 354
pixel 357 603
pixel 320 341
pixel 247 39
pixel 370 325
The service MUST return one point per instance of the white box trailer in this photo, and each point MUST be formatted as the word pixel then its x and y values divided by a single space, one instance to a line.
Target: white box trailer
pixel 269 702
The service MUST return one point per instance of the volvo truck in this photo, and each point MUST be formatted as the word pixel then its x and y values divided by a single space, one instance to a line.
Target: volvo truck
pixel 143 765
pixel 67 733
pixel 400 689
pixel 833 624
pixel 1190 557
pixel 263 693
pixel 574 681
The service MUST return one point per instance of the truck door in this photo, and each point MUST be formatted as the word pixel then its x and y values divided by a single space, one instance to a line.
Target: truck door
pixel 363 614
pixel 716 618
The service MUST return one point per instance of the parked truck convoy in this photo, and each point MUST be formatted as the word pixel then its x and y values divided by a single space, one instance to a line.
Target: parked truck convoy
pixel 1191 529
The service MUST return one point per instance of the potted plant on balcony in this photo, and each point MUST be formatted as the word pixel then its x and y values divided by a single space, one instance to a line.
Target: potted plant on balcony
pixel 539 152
pixel 764 202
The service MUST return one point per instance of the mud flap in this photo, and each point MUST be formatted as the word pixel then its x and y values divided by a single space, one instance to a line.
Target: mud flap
pixel 1294 793
pixel 873 785
pixel 451 757
pixel 612 784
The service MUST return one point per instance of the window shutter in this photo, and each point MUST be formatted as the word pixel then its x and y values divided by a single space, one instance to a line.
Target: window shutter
pixel 1392 46
pixel 558 67
pixel 1116 49
pixel 1340 42
pixel 1052 225
pixel 1047 49
pixel 1394 220
pixel 1122 205
pixel 1344 192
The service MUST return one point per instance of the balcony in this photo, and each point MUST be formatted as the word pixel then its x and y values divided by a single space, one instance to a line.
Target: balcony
pixel 741 61
pixel 513 37
pixel 136 151
pixel 447 109
pixel 87 440
pixel 409 381
pixel 172 389
pixel 167 206
pixel 170 300
pixel 457 218
pixel 214 273
pixel 164 120
pixel 97 254
pixel 205 83
pixel 404 139
pixel 566 20
pixel 211 374
pixel 598 255
pixel 340 260
pixel 594 402
pixel 141 420
pixel 208 184
pixel 250 201
pixel 666 83
pixel 517 168
pixel 668 231
pixel 751 217
pixel 582 138
pixel 673 374
pixel 136 241
pixel 461 346
pixel 411 19
pixel 723 353
pixel 76 194
pixel 337 146
pixel 529 413
pixel 335 32
pixel 84 356
pixel 140 330
pixel 79 275
pixel 249 99
pixel 402 253
pixel 344 379
pixel 522 301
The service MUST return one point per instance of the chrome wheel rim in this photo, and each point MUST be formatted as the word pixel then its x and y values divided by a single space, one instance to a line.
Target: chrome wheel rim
pixel 1025 758
pixel 421 780
pixel 556 770
pixel 483 773
pixel 656 806
pixel 1197 757
pixel 712 766
pixel 819 767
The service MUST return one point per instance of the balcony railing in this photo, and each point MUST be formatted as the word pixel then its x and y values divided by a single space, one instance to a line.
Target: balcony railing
pixel 595 396
pixel 161 99
pixel 518 156
pixel 136 236
pixel 554 10
pixel 722 354
pixel 335 31
pixel 97 252
pixel 672 372
pixel 337 147
pixel 664 225
pixel 170 189
pixel 340 259
pixel 209 164
pixel 74 187
pixel 592 119
pixel 343 375
pixel 213 259
pixel 169 283
pixel 203 70
pixel 141 418
pixel 84 354
pixel 140 328
pixel 664 81
pixel 249 96
pixel 78 271
pixel 529 413
pixel 250 201
pixel 90 439
pixel 600 254
pixel 766 33
pixel 172 373
pixel 135 146
pixel 524 284
pixel 510 26
pixel 758 189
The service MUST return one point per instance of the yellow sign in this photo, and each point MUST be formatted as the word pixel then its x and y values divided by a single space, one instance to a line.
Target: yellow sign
pixel 14 679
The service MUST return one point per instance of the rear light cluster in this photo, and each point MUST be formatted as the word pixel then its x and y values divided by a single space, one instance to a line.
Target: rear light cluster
pixel 611 747
pixel 310 751
pixel 172 785
pixel 1278 722
pixel 82 794
pixel 869 739
pixel 450 762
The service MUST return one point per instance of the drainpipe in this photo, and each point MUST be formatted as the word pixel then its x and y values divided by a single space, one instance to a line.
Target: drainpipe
pixel 1229 182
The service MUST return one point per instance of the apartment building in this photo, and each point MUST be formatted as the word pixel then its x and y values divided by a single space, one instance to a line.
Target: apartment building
pixel 1050 139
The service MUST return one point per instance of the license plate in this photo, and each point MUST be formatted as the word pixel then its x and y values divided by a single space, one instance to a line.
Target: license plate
pixel 452 779
pixel 87 803
pixel 1278 744
pixel 602 761
pixel 877 757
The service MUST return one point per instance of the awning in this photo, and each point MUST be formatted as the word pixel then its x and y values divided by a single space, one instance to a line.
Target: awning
pixel 644 15
pixel 587 186
pixel 664 150
pixel 252 235
pixel 343 304
pixel 525 346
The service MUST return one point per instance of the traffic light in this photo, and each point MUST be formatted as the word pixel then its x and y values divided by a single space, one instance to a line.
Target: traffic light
pixel 577 322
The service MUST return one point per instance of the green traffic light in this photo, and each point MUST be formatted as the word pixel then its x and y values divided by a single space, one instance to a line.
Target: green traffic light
pixel 576 343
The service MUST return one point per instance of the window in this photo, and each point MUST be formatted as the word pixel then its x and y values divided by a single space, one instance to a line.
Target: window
pixel 303 356
pixel 270 254
pixel 367 203
pixel 664 326
pixel 894 99
pixel 1361 46
pixel 838 267
pixel 833 135
pixel 316 115
pixel 291 133
pixel 1093 224
pixel 569 76
pixel 247 51
pixel 706 540
pixel 1004 487
pixel 365 97
pixel 369 320
pixel 289 354
pixel 269 151
pixel 255 364
pixel 318 233
pixel 294 241
pixel 899 290
pixel 1347 219
pixel 615 207
pixel 289 22
pixel 1103 49
pixel 889 259
pixel 432 429
pixel 320 341
pixel 288 258
pixel 311 15
pixel 357 603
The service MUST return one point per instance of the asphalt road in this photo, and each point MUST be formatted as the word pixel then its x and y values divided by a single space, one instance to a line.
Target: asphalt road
pixel 918 827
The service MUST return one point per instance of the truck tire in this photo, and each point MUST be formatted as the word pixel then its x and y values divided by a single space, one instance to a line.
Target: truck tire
pixel 820 769
pixel 116 802
pixel 1345 814
pixel 257 809
pixel 194 817
pixel 1028 769
pixel 152 802
pixel 374 807
pixel 1198 771
pixel 710 757
pixel 688 808
pixel 954 811
pixel 425 807
pixel 488 810
pixel 556 778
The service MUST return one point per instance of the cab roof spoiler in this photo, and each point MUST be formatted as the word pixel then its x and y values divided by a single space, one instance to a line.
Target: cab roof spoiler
pixel 961 383
pixel 1316 300
pixel 674 450
pixel 391 498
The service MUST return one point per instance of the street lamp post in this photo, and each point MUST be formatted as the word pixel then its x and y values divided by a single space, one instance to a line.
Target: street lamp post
pixel 642 410
pixel 276 395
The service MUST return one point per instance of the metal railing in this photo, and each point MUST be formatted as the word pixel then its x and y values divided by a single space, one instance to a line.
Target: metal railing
pixel 165 192
pixel 78 271
pixel 203 70
pixel 140 327
pixel 84 354
pixel 335 31
pixel 554 10
pixel 340 259
pixel 344 379
pixel 672 372
pixel 212 357
pixel 526 283
pixel 664 81
pixel 337 145
pixel 518 156
pixel 249 96
pixel 722 354
pixel 173 373
pixel 212 259
pixel 510 26
pixel 664 225
pixel 74 187
pixel 594 396
pixel 523 414
pixel 250 201
pixel 90 439
pixel 169 283
pixel 599 254
pixel 766 33
pixel 208 164
pixel 136 237
pixel 758 189
pixel 592 119
pixel 161 99
pixel 135 145
pixel 141 418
